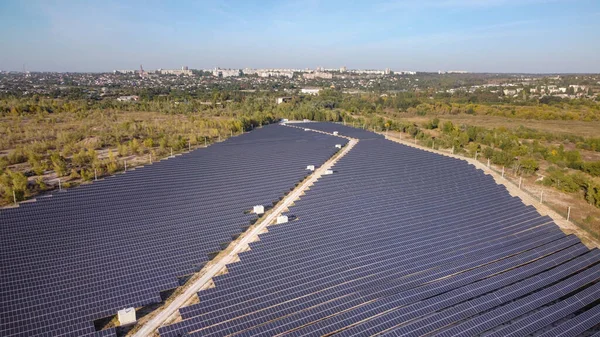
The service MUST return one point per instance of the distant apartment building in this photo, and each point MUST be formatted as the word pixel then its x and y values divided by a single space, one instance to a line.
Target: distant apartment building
pixel 318 74
pixel 288 74
pixel 183 71
pixel 125 71
pixel 367 72
pixel 343 69
pixel 218 72
pixel 273 72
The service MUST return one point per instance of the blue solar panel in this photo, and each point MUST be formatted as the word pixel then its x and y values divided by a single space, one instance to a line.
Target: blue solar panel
pixel 87 252
pixel 397 241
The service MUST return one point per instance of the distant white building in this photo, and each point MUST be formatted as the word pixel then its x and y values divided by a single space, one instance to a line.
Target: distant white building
pixel 218 72
pixel 578 87
pixel 310 91
pixel 125 71
pixel 288 74
pixel 512 92
pixel 283 99
pixel 318 74
pixel 183 71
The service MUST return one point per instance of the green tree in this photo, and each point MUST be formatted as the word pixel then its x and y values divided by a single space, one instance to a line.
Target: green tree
pixel 592 194
pixel 13 182
pixel 529 165
pixel 35 160
pixel 592 168
pixel 59 164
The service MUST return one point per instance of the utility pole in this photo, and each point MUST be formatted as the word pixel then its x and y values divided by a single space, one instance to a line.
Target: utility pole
pixel 59 185
pixel 15 197
pixel 95 175
pixel 125 165
pixel 569 213
pixel 502 171
pixel 488 165
pixel 204 141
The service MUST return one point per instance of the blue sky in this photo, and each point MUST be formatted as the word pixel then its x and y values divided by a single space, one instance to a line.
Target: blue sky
pixel 423 35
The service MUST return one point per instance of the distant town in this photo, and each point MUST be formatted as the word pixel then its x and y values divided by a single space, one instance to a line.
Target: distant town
pixel 124 85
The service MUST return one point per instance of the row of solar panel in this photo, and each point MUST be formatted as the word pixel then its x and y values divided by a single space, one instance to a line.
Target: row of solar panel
pixel 324 293
pixel 367 246
pixel 88 252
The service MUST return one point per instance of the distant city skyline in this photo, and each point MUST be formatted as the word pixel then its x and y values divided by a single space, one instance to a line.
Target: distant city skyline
pixel 506 36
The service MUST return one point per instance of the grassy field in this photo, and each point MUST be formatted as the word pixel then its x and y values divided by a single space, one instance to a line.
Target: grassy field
pixel 581 128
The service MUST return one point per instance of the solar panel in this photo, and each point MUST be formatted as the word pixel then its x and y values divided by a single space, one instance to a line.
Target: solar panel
pixel 87 252
pixel 398 240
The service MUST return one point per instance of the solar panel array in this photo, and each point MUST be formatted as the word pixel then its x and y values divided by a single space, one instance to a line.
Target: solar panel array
pixel 403 242
pixel 85 253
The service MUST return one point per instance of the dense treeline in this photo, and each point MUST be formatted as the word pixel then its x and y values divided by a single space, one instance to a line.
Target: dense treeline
pixel 171 101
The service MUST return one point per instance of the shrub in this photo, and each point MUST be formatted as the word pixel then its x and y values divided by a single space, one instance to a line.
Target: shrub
pixel 149 142
pixel 17 156
pixel 59 164
pixel 84 158
pixel 529 165
pixel 488 152
pixel 592 168
pixel 502 158
pixel 592 194
pixel 13 182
